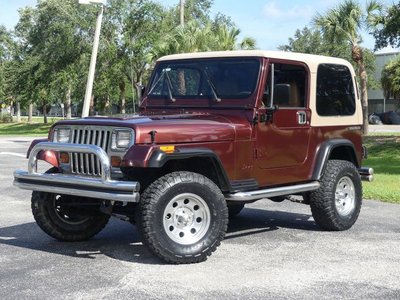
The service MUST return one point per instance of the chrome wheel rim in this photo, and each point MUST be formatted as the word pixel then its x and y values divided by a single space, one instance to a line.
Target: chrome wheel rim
pixel 186 219
pixel 345 196
pixel 64 216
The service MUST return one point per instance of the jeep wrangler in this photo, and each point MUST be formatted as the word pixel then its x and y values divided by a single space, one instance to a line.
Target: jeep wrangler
pixel 215 131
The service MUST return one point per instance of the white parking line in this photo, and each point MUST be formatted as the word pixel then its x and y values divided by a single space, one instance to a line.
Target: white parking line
pixel 13 154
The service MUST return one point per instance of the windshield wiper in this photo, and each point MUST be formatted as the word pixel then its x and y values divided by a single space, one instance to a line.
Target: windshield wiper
pixel 169 83
pixel 212 86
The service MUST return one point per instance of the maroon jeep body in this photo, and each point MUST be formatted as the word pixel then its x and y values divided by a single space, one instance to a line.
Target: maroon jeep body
pixel 215 131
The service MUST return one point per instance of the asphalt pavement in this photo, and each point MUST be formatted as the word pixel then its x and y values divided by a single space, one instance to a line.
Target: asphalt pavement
pixel 271 251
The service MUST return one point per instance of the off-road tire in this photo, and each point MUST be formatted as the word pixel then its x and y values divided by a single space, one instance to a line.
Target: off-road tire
pixel 329 207
pixel 45 212
pixel 175 202
pixel 234 209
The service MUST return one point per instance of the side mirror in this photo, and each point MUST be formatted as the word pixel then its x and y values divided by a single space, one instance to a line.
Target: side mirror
pixel 281 94
pixel 142 90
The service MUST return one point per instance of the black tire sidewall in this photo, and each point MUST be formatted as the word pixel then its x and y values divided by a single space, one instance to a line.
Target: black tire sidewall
pixel 45 216
pixel 50 211
pixel 151 213
pixel 323 200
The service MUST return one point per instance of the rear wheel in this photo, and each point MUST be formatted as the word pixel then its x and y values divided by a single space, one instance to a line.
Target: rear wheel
pixel 61 218
pixel 182 217
pixel 337 203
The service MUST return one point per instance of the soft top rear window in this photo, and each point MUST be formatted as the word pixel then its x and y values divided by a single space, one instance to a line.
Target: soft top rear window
pixel 335 91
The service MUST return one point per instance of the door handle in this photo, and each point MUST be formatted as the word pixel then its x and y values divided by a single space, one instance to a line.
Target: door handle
pixel 301 117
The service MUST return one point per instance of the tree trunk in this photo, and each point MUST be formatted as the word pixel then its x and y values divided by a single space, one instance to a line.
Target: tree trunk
pixel 182 83
pixel 18 105
pixel 358 57
pixel 68 103
pixel 91 108
pixel 123 97
pixel 139 91
pixel 138 88
pixel 30 113
pixel 182 12
pixel 45 113
pixel 107 106
pixel 12 108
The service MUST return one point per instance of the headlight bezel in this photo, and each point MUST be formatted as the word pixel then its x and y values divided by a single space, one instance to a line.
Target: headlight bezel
pixel 62 134
pixel 119 142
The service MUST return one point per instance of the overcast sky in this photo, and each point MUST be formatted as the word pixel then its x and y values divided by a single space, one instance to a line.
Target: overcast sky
pixel 270 22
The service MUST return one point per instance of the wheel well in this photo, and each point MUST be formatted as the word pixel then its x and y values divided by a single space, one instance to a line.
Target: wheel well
pixel 205 166
pixel 334 149
pixel 344 153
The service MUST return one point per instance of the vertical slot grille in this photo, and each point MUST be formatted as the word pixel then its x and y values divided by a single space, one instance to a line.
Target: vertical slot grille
pixel 88 164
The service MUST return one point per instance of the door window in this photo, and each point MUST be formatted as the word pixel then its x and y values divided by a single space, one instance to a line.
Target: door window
pixel 289 86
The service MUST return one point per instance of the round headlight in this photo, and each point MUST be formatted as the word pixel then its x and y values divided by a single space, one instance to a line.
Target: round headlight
pixel 61 135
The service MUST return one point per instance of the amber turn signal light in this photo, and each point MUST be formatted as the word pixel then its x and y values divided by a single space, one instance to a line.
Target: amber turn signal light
pixel 115 161
pixel 167 149
pixel 64 158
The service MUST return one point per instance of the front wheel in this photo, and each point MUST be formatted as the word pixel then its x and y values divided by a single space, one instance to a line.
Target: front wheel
pixel 337 203
pixel 183 217
pixel 61 218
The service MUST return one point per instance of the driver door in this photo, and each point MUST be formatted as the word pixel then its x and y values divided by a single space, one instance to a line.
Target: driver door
pixel 283 131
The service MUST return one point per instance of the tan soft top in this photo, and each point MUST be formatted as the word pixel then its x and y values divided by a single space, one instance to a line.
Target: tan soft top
pixel 311 60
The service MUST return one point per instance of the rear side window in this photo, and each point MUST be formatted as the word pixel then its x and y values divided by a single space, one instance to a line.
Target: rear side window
pixel 335 91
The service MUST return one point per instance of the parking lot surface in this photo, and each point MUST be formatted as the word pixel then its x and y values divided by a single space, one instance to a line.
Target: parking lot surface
pixel 271 251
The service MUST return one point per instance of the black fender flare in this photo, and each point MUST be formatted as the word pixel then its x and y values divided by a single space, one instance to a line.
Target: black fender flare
pixel 324 152
pixel 159 158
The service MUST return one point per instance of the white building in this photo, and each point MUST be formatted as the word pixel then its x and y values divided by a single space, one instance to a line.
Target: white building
pixel 376 100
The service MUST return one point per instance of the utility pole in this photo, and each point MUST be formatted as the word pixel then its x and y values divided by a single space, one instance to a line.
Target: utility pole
pixel 182 12
pixel 92 67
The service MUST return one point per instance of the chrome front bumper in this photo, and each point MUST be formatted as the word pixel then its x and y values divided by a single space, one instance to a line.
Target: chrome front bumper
pixel 94 187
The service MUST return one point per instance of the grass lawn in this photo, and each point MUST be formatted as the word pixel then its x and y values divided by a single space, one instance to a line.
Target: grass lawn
pixel 384 157
pixel 37 128
pixel 26 129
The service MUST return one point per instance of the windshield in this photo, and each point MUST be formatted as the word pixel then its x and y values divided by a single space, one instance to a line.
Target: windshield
pixel 233 78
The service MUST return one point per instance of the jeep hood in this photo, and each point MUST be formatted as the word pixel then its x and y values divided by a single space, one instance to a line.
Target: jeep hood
pixel 176 128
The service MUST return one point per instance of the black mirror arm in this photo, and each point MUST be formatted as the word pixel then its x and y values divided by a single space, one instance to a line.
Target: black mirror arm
pixel 269 113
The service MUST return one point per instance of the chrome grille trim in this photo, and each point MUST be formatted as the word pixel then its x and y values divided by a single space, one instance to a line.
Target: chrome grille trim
pixel 84 163
pixel 87 163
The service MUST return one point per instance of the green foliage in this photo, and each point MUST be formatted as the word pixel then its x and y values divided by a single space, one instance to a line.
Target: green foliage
pixel 384 157
pixel 46 59
pixel 345 21
pixel 6 49
pixel 343 24
pixel 208 36
pixel 391 79
pixel 6 118
pixel 387 31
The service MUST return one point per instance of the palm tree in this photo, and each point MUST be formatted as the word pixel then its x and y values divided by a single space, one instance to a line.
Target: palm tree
pixel 391 79
pixel 227 39
pixel 344 23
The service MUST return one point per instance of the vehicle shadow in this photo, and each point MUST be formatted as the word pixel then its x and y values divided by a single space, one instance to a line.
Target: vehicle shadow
pixel 252 221
pixel 120 240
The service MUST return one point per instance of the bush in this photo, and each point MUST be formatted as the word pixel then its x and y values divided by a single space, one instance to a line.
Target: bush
pixel 6 118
